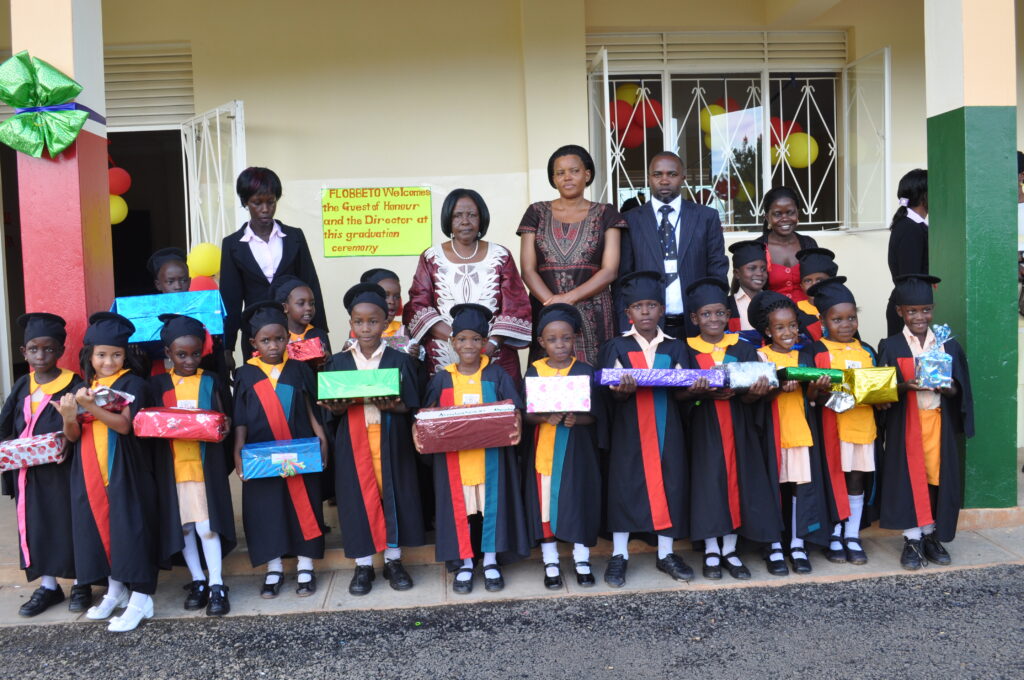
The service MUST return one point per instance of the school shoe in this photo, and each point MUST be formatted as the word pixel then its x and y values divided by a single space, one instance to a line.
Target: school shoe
pixel 307 588
pixel 712 571
pixel 398 578
pixel 493 585
pixel 855 554
pixel 218 604
pixel 362 580
pixel 41 600
pixel 835 556
pixel 615 572
pixel 463 586
pixel 131 618
pixel 801 565
pixel 552 582
pixel 776 567
pixel 674 566
pixel 198 595
pixel 81 598
pixel 107 606
pixel 585 580
pixel 271 590
pixel 738 572
pixel 934 551
pixel 912 557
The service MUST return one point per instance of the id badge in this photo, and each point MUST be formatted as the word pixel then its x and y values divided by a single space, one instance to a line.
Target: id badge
pixel 471 399
pixel 850 363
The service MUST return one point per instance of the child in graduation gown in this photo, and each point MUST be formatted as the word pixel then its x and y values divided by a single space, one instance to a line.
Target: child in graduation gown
pixel 484 481
pixel 648 469
pixel 192 476
pixel 921 489
pixel 734 485
pixel 392 285
pixel 114 509
pixel 299 303
pixel 375 463
pixel 274 402
pixel 848 438
pixel 562 477
pixel 749 277
pixel 791 432
pixel 42 506
pixel 816 265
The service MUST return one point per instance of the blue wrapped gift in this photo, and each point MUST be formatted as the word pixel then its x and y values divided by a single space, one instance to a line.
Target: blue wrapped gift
pixel 934 368
pixel 285 458
pixel 205 306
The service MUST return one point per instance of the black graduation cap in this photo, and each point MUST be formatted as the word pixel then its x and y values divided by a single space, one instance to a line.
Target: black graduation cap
pixel 161 257
pixel 829 293
pixel 179 325
pixel 366 292
pixel 915 289
pixel 43 325
pixel 377 275
pixel 108 328
pixel 262 314
pixel 284 285
pixel 745 252
pixel 642 285
pixel 559 311
pixel 469 316
pixel 757 310
pixel 817 261
pixel 706 291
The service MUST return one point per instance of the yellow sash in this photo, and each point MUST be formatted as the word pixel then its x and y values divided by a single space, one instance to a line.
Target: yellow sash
pixel 100 432
pixel 793 428
pixel 188 458
pixel 545 452
pixel 717 351
pixel 472 463
pixel 51 388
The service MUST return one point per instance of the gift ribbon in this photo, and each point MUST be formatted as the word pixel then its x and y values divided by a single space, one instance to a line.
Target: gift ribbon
pixel 31 419
pixel 290 468
pixel 70 106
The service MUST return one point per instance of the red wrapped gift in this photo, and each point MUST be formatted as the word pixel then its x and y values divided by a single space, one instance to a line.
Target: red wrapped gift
pixel 462 428
pixel 31 451
pixel 181 423
pixel 310 349
pixel 108 399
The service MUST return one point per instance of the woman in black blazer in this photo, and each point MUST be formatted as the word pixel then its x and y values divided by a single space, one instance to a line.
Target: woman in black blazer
pixel 260 251
pixel 908 236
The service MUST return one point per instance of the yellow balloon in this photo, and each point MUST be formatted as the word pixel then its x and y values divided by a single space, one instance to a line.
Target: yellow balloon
pixel 118 209
pixel 803 149
pixel 204 260
pixel 705 116
pixel 746 192
pixel 707 139
pixel 774 154
pixel 628 92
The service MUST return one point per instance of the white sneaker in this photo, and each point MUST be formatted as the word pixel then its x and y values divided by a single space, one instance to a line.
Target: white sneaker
pixel 131 618
pixel 107 606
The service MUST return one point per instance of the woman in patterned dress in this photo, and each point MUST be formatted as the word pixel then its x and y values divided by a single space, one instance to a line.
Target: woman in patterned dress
pixel 468 269
pixel 570 250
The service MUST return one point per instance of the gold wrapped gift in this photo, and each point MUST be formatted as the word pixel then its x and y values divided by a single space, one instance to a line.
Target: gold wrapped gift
pixel 875 385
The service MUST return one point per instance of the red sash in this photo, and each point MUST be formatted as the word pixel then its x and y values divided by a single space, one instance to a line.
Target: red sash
pixel 916 473
pixel 833 457
pixel 455 490
pixel 96 492
pixel 723 409
pixel 361 456
pixel 650 449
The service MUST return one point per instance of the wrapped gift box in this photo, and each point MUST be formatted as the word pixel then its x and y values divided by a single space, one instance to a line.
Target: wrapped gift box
pixel 742 375
pixel 108 399
pixel 934 369
pixel 462 428
pixel 663 377
pixel 379 382
pixel 180 423
pixel 808 374
pixel 205 306
pixel 310 349
pixel 284 458
pixel 39 449
pixel 874 385
pixel 558 394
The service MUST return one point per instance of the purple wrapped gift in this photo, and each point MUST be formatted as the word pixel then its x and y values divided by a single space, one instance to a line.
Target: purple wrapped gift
pixel 663 377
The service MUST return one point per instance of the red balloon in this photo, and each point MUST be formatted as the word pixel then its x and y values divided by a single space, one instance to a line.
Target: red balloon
pixel 633 137
pixel 203 283
pixel 729 104
pixel 621 113
pixel 726 189
pixel 703 197
pixel 649 112
pixel 120 180
pixel 783 128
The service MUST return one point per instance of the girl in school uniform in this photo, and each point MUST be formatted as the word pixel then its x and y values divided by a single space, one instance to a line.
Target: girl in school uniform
pixel 749 277
pixel 299 304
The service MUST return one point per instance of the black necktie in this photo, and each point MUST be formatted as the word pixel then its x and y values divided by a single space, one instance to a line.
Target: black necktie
pixel 667 231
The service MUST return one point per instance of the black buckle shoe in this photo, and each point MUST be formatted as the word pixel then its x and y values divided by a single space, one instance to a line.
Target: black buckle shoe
pixel 738 572
pixel 307 588
pixel 835 556
pixel 198 595
pixel 362 580
pixel 855 555
pixel 465 586
pixel 934 551
pixel 776 567
pixel 41 600
pixel 712 571
pixel 271 590
pixel 912 558
pixel 552 582
pixel 674 566
pixel 398 578
pixel 219 604
pixel 493 585
pixel 801 565
pixel 81 598
pixel 585 580
pixel 615 572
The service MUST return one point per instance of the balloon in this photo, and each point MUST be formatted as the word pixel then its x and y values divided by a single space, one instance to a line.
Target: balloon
pixel 622 113
pixel 729 104
pixel 204 260
pixel 703 197
pixel 803 149
pixel 120 180
pixel 628 92
pixel 649 111
pixel 745 192
pixel 203 283
pixel 118 209
pixel 783 128
pixel 633 137
pixel 774 154
pixel 726 189
pixel 706 113
pixel 707 139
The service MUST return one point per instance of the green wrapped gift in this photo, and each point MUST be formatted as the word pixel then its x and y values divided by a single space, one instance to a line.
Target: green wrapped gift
pixel 808 374
pixel 378 382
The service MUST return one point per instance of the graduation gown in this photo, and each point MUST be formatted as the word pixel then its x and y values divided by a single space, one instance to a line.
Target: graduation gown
pixel 575 498
pixel 117 527
pixel 504 522
pixel 281 516
pixel 735 482
pixel 43 508
pixel 904 493
pixel 648 468
pixel 218 462
pixel 375 518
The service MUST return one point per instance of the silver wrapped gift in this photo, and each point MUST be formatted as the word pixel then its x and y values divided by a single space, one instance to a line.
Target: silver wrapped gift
pixel 743 374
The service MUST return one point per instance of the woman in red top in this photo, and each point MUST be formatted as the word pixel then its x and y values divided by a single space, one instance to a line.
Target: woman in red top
pixel 781 218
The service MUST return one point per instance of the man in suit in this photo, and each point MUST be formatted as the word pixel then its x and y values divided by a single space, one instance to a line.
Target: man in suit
pixel 671 235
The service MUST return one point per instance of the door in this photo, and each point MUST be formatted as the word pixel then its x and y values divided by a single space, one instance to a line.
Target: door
pixel 600 127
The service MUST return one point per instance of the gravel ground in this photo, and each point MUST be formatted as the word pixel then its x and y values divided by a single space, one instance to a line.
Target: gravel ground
pixel 960 624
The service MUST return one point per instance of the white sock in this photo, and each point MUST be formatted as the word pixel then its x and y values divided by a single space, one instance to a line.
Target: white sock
pixel 928 529
pixel 620 543
pixel 274 565
pixel 139 601
pixel 581 553
pixel 491 560
pixel 852 524
pixel 913 534
pixel 792 524
pixel 364 561
pixel 728 547
pixel 549 553
pixel 466 575
pixel 211 551
pixel 191 553
pixel 776 554
pixel 837 532
pixel 114 587
pixel 304 563
pixel 391 554
pixel 664 546
pixel 48 582
pixel 712 552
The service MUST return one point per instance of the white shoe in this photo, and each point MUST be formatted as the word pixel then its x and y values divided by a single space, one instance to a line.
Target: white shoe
pixel 107 606
pixel 131 618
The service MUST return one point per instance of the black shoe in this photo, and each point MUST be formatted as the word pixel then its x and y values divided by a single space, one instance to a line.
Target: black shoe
pixel 835 556
pixel 912 557
pixel 552 582
pixel 674 566
pixel 398 578
pixel 776 567
pixel 464 587
pixel 934 551
pixel 307 588
pixel 712 571
pixel 362 580
pixel 856 554
pixel 271 590
pixel 41 600
pixel 198 595
pixel 493 585
pixel 801 565
pixel 741 572
pixel 81 598
pixel 615 572
pixel 585 580
pixel 218 604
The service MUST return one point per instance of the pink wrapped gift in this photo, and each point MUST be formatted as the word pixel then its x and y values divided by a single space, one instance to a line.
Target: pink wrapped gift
pixel 310 349
pixel 463 428
pixel 180 423
pixel 32 451
pixel 558 394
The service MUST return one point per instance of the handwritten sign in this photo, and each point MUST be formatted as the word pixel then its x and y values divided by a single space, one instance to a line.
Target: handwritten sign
pixel 376 221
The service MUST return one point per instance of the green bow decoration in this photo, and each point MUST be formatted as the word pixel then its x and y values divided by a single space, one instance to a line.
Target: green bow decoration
pixel 41 96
